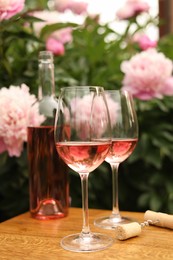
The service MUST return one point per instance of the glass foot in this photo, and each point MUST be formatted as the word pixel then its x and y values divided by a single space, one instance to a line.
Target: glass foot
pixel 111 222
pixel 92 242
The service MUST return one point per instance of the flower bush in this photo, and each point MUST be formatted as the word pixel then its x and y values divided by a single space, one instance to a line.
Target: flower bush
pixel 93 53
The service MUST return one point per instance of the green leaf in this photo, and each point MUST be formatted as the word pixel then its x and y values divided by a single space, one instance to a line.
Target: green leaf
pixel 48 29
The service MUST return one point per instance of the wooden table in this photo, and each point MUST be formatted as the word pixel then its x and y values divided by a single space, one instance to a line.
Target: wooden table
pixel 25 238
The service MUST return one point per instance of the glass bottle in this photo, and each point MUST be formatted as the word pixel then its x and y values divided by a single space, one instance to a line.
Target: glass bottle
pixel 48 177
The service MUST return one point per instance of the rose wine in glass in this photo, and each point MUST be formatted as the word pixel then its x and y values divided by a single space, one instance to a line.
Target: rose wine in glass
pixel 83 140
pixel 124 139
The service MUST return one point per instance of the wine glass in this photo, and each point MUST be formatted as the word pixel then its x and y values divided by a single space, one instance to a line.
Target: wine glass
pixel 83 139
pixel 124 139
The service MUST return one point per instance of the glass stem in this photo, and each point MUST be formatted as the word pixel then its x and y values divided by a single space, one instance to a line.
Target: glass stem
pixel 84 184
pixel 115 203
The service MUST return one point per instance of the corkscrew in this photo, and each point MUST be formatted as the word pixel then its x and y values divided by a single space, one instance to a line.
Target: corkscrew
pixel 149 222
pixel 133 229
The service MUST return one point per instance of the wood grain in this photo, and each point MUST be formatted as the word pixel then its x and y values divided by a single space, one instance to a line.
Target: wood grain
pixel 25 238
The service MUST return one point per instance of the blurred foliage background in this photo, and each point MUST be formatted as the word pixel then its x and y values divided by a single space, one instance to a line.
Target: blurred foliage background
pixel 146 177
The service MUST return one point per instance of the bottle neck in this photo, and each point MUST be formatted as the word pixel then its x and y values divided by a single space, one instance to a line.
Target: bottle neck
pixel 46 77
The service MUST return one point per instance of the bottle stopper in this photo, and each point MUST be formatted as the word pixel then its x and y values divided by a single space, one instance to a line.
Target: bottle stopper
pixel 129 230
pixel 159 219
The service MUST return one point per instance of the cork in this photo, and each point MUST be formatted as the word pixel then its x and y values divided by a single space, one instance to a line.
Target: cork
pixel 159 219
pixel 129 230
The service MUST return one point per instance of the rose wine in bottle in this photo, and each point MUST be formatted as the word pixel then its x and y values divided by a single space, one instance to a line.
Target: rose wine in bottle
pixel 48 177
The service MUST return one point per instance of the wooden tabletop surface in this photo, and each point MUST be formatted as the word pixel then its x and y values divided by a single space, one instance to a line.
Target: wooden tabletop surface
pixel 25 238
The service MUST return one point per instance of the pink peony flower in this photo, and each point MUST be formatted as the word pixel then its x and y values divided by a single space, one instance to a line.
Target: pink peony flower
pixel 55 46
pixel 77 7
pixel 63 35
pixel 9 8
pixel 17 112
pixel 132 8
pixel 148 75
pixel 57 39
pixel 144 41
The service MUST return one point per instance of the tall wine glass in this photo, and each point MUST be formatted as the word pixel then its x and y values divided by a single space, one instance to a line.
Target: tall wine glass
pixel 124 138
pixel 83 139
